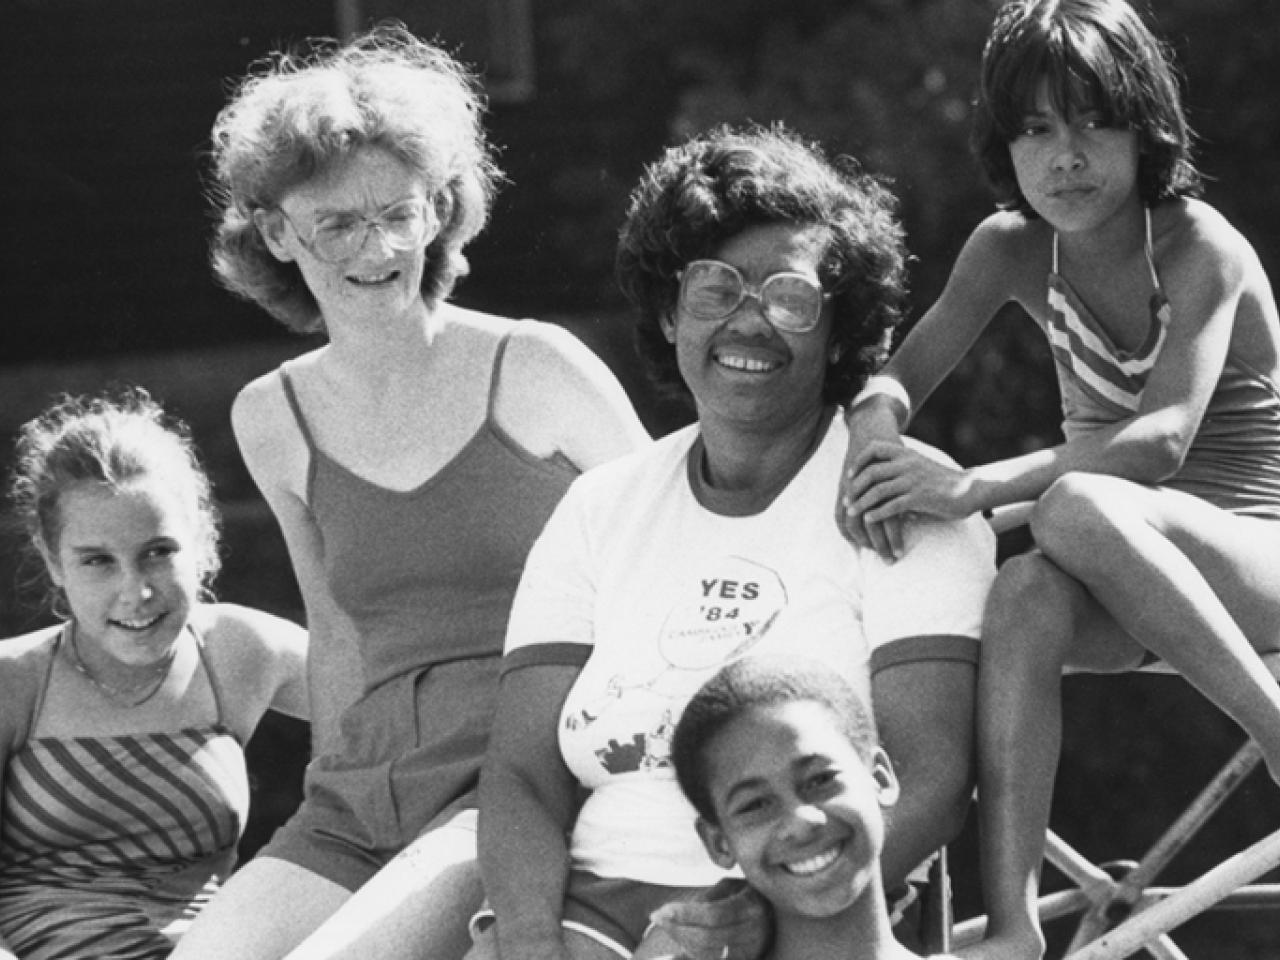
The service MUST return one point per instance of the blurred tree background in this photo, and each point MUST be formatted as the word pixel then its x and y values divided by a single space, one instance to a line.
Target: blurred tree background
pixel 106 108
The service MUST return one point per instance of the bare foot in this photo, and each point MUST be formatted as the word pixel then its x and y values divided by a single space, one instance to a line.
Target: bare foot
pixel 1024 945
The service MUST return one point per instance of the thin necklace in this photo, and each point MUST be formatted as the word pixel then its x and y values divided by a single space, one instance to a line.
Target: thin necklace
pixel 127 697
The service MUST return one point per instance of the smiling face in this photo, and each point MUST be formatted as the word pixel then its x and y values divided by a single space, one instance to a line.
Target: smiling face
pixel 799 810
pixel 127 559
pixel 1074 171
pixel 375 279
pixel 741 369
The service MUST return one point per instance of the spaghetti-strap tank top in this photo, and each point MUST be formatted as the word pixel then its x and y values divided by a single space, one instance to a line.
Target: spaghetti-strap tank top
pixel 107 841
pixel 427 575
pixel 1234 459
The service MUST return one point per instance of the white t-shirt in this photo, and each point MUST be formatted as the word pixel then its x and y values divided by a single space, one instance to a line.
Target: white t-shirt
pixel 655 593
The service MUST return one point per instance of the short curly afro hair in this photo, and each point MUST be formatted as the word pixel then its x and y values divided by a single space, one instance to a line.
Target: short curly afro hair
pixel 702 193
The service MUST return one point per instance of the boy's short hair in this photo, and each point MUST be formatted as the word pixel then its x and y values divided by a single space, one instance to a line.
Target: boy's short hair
pixel 761 682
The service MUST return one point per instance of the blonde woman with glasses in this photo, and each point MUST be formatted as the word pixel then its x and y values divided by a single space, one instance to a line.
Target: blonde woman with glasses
pixel 410 461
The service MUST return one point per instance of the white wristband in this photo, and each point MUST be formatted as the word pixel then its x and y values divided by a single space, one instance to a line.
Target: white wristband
pixel 883 386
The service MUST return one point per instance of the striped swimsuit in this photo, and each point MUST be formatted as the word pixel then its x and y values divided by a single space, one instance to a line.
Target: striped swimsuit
pixel 1234 459
pixel 111 844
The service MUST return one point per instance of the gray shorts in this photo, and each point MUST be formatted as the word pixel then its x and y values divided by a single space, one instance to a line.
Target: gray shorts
pixel 408 762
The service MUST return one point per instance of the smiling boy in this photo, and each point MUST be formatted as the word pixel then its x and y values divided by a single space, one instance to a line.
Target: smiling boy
pixel 780 759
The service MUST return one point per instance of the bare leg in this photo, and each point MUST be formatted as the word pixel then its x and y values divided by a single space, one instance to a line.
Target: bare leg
pixel 1125 567
pixel 1038 620
pixel 925 713
pixel 1187 580
pixel 266 908
pixel 417 907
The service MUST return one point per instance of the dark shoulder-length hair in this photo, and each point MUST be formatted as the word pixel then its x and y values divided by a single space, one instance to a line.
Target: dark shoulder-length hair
pixel 1092 55
pixel 297 116
pixel 702 193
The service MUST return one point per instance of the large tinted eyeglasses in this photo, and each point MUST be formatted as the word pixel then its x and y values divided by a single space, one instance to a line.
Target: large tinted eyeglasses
pixel 340 236
pixel 711 290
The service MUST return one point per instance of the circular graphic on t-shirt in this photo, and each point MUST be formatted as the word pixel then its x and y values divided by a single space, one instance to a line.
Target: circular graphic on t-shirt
pixel 732 605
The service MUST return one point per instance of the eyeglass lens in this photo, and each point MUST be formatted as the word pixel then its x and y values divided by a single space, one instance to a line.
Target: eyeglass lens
pixel 711 290
pixel 342 236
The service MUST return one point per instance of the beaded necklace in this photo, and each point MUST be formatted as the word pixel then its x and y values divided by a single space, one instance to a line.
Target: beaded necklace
pixel 134 696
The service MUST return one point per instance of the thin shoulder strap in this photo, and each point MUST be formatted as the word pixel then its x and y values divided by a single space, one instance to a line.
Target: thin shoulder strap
pixel 1055 251
pixel 291 395
pixel 1151 256
pixel 207 662
pixel 46 674
pixel 496 375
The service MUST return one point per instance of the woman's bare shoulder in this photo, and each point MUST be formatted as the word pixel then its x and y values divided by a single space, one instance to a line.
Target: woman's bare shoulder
pixel 1006 257
pixel 1010 235
pixel 28 645
pixel 1188 232
pixel 246 628
pixel 248 644
pixel 541 355
pixel 266 426
pixel 478 322
pixel 259 658
pixel 263 398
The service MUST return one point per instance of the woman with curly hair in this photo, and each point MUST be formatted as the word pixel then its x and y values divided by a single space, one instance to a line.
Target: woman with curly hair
pixel 768 279
pixel 410 461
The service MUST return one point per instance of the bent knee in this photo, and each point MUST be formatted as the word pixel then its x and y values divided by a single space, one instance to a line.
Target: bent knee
pixel 1028 583
pixel 1031 595
pixel 1065 513
pixel 1073 519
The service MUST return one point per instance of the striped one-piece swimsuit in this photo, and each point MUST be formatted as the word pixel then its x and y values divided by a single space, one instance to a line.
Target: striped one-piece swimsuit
pixel 111 844
pixel 1099 381
pixel 1234 458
